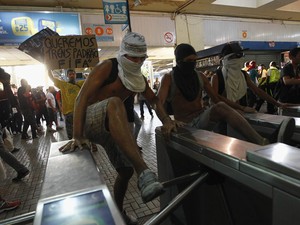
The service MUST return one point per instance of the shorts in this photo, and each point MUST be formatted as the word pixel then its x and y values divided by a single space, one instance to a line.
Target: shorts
pixel 96 132
pixel 202 120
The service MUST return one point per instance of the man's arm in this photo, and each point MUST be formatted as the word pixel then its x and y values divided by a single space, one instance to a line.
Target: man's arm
pixel 164 88
pixel 262 94
pixel 157 104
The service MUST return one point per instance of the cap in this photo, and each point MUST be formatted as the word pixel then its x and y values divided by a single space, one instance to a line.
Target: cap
pixel 133 44
pixel 233 47
pixel 184 50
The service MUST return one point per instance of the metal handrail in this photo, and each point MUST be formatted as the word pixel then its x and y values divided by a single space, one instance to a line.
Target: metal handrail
pixel 19 220
pixel 161 216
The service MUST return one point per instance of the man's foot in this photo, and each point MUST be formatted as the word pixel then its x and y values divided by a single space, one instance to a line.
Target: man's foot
pixel 149 186
pixel 140 148
pixel 21 175
pixel 36 136
pixel 15 150
pixel 94 147
pixel 286 130
pixel 25 137
pixel 6 206
pixel 129 219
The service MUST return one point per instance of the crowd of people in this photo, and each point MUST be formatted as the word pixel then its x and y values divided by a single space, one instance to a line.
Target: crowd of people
pixel 102 106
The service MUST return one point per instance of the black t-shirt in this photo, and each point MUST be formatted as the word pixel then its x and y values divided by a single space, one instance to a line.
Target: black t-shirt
pixel 290 93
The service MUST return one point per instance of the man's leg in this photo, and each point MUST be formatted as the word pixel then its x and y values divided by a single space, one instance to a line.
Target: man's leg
pixel 121 184
pixel 12 161
pixel 121 134
pixel 142 109
pixel 120 188
pixel 223 112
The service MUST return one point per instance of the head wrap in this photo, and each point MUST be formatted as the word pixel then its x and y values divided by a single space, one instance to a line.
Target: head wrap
pixel 134 45
pixel 184 50
pixel 233 49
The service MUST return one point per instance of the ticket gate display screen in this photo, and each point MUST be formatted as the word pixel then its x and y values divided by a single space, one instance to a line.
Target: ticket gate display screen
pixel 87 209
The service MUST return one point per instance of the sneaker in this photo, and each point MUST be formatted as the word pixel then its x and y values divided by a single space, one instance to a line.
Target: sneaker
pixel 21 175
pixel 129 219
pixel 6 206
pixel 286 130
pixel 15 150
pixel 94 148
pixel 25 137
pixel 149 186
pixel 59 128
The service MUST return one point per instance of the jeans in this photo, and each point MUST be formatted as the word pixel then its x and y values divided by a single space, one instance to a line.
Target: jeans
pixel 9 158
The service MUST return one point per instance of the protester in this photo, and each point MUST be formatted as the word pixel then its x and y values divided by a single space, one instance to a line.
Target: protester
pixel 100 117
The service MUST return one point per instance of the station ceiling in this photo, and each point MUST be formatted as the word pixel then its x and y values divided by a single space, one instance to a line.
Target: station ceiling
pixel 287 10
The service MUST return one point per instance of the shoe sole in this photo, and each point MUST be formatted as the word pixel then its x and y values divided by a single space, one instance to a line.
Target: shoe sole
pixel 8 209
pixel 286 130
pixel 20 178
pixel 158 190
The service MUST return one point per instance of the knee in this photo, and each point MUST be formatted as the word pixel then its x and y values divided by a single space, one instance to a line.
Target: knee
pixel 220 106
pixel 114 104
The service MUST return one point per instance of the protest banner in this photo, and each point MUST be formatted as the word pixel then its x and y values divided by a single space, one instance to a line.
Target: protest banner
pixel 76 51
pixel 33 46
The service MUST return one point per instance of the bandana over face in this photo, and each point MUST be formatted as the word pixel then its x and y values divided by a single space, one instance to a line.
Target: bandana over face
pixel 185 76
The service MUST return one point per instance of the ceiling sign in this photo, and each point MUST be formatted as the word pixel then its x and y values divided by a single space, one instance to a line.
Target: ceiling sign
pixel 115 11
pixel 101 31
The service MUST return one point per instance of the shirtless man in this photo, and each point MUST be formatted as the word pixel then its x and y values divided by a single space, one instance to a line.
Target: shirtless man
pixel 100 117
pixel 186 100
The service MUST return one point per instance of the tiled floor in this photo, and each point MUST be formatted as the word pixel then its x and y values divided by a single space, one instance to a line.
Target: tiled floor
pixel 34 154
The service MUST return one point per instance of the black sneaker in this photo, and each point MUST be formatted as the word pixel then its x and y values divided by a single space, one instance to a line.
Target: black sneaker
pixel 21 175
pixel 129 219
pixel 15 150
pixel 25 137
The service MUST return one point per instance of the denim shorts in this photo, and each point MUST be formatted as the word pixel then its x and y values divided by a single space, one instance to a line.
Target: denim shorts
pixel 96 132
pixel 202 120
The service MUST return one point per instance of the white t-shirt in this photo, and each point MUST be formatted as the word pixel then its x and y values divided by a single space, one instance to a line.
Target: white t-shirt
pixel 50 97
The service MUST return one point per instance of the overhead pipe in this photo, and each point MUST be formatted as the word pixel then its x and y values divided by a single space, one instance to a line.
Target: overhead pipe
pixel 181 8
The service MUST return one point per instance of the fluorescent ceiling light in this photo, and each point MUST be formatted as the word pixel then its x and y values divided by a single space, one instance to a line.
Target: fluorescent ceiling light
pixel 242 3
